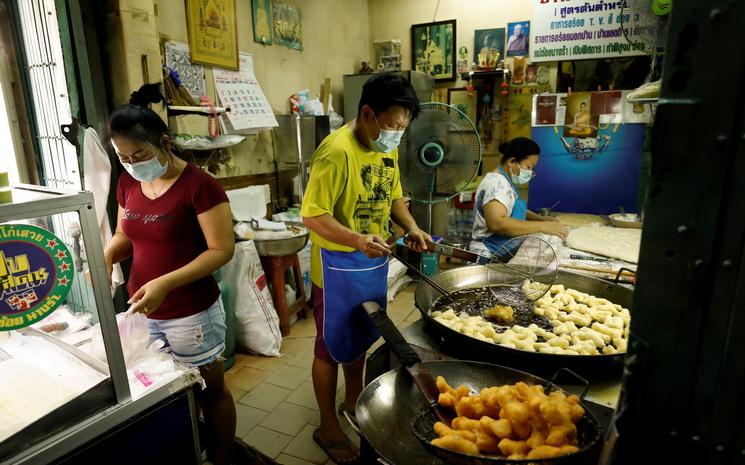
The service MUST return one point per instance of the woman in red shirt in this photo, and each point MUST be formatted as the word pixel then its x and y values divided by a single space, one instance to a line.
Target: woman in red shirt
pixel 174 221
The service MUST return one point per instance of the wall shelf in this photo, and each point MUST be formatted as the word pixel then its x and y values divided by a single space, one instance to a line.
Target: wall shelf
pixel 175 110
pixel 483 74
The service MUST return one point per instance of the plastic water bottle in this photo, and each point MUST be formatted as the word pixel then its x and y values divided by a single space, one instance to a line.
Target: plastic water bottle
pixel 452 231
pixel 469 226
pixel 460 224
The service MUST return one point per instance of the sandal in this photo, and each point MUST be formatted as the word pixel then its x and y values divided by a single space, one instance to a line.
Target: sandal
pixel 341 445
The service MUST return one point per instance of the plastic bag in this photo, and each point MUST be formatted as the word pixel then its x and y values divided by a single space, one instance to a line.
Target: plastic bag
pixel 257 322
pixel 133 334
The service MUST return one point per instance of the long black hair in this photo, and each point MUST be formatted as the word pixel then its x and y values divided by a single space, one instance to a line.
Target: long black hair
pixel 519 148
pixel 136 121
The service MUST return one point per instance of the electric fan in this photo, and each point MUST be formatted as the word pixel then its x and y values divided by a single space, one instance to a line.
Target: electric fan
pixel 439 155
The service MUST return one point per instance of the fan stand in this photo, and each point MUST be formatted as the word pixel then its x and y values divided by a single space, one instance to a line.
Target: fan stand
pixel 431 155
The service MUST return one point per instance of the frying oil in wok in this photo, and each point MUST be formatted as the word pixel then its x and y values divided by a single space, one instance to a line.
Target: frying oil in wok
pixel 475 301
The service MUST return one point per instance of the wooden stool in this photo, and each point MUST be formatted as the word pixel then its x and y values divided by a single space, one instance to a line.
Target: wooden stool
pixel 275 268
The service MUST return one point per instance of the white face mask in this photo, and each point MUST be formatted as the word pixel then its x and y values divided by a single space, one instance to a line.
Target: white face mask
pixel 387 141
pixel 146 171
pixel 523 177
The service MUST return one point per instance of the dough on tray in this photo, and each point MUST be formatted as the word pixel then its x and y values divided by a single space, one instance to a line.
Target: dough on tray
pixel 619 243
pixel 575 220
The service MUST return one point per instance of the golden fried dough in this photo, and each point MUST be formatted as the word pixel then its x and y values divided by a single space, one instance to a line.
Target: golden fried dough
pixel 500 314
pixel 486 442
pixel 510 447
pixel 500 428
pixel 442 430
pixel 463 423
pixel 471 407
pixel 518 421
pixel 559 435
pixel 537 438
pixel 548 452
pixel 447 399
pixel 456 443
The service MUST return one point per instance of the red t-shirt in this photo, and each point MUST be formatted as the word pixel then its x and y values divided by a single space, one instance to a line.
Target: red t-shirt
pixel 166 235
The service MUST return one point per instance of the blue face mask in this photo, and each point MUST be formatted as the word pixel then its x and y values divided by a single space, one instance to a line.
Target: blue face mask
pixel 523 178
pixel 387 141
pixel 145 171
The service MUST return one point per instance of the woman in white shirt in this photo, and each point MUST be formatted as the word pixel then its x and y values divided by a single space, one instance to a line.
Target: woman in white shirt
pixel 499 212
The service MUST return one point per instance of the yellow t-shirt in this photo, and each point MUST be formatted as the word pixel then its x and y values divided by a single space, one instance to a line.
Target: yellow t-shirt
pixel 353 184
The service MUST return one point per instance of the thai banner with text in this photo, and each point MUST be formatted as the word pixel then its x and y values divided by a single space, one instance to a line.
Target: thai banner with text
pixel 578 29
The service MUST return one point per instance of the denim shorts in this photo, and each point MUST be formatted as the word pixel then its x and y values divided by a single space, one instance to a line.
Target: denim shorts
pixel 196 339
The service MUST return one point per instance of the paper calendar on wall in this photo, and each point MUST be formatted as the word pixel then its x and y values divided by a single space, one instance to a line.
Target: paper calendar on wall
pixel 239 90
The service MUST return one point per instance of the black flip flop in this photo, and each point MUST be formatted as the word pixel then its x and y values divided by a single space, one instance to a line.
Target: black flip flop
pixel 341 445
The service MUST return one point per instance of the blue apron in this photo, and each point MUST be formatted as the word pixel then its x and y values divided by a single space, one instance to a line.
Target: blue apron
pixel 495 242
pixel 349 280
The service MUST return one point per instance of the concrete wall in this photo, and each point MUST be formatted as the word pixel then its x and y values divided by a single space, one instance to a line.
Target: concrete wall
pixel 336 37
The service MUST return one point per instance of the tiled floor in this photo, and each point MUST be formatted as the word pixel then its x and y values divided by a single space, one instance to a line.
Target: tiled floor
pixel 275 404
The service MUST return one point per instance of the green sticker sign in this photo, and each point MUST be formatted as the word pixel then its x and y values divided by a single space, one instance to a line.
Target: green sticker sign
pixel 36 274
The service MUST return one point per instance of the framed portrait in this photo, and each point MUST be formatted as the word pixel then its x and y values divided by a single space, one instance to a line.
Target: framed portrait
pixel 518 38
pixel 488 47
pixel 433 49
pixel 213 37
pixel 288 28
pixel 262 21
pixel 464 100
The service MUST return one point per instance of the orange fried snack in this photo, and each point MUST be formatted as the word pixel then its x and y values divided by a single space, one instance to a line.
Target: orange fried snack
pixel 456 443
pixel 463 423
pixel 517 421
pixel 449 397
pixel 558 414
pixel 486 442
pixel 442 430
pixel 470 407
pixel 549 452
pixel 500 428
pixel 510 447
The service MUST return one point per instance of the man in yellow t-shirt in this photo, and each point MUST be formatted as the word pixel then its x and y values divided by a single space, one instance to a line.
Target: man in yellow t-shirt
pixel 353 193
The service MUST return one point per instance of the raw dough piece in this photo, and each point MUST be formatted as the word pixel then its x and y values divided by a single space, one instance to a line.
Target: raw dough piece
pixel 575 220
pixel 620 243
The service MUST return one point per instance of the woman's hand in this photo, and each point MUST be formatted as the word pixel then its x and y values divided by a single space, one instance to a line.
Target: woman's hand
pixel 148 298
pixel 372 245
pixel 555 228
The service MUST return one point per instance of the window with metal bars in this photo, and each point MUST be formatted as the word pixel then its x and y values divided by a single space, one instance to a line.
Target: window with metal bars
pixel 48 92
pixel 41 32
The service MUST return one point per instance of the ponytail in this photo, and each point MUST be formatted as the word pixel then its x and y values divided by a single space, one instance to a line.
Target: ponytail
pixel 136 121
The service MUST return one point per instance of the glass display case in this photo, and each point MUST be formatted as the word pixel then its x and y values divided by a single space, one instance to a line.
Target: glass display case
pixel 56 395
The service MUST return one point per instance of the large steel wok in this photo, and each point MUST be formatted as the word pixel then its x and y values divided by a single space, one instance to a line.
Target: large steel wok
pixel 466 347
pixel 388 405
